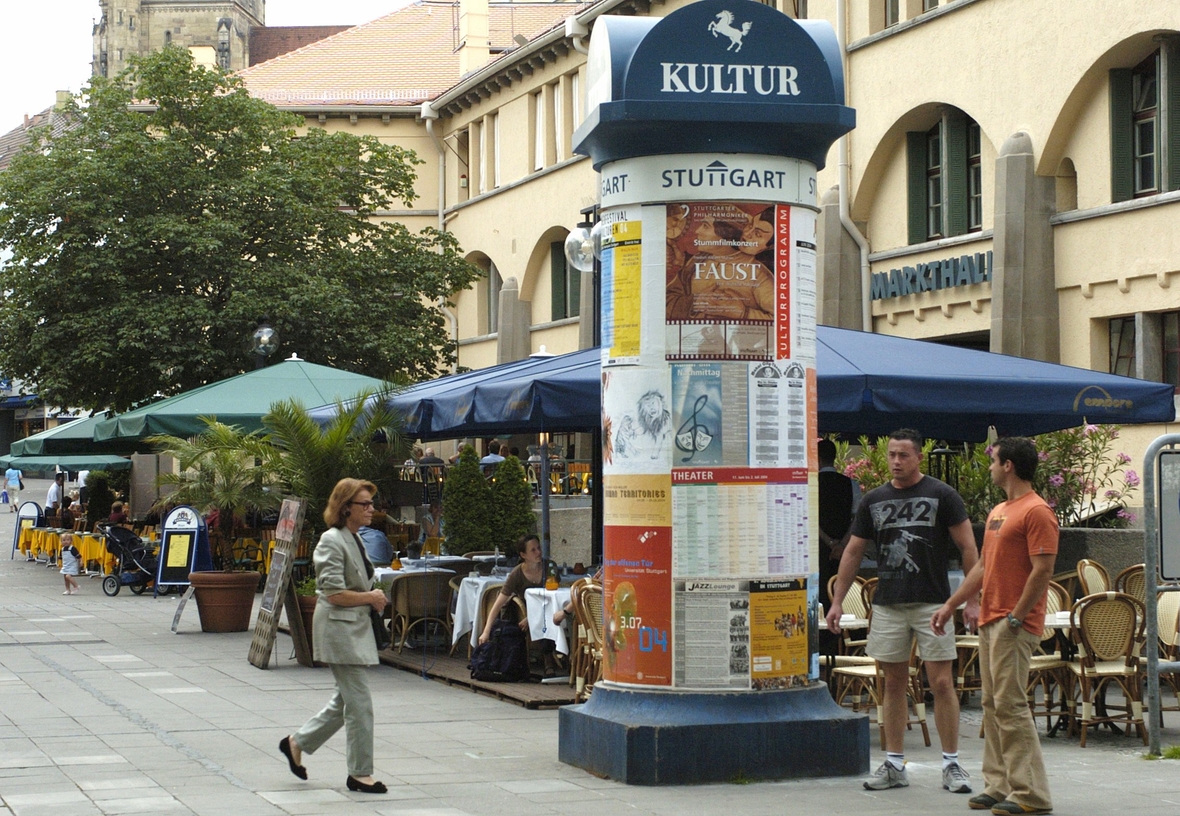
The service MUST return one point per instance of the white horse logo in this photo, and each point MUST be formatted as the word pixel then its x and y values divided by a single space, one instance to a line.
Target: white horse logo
pixel 724 25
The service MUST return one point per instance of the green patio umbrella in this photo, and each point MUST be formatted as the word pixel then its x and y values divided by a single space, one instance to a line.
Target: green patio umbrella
pixel 242 400
pixel 70 439
pixel 48 462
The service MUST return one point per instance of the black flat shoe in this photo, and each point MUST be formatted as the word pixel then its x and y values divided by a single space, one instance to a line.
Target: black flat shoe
pixel 285 748
pixel 361 787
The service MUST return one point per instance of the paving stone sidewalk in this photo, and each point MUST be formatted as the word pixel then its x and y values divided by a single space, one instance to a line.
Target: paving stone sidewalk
pixel 104 710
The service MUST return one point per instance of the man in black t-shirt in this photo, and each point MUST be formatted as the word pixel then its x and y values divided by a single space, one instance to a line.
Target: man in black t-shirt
pixel 913 520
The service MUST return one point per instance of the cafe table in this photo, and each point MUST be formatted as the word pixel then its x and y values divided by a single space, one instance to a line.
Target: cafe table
pixel 445 561
pixel 391 575
pixel 467 617
pixel 541 605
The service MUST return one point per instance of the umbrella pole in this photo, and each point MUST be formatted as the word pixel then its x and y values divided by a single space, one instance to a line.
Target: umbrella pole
pixel 544 484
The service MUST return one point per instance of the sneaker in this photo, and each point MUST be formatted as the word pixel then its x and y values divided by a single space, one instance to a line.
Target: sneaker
pixel 1002 808
pixel 887 777
pixel 982 802
pixel 954 778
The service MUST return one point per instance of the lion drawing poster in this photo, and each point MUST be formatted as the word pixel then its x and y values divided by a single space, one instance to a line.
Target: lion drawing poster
pixel 637 420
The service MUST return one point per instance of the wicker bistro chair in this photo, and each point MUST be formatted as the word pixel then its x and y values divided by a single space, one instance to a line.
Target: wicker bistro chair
pixel 1133 582
pixel 854 604
pixel 1109 628
pixel 1048 670
pixel 1168 617
pixel 590 621
pixel 863 686
pixel 419 599
pixel 1093 577
pixel 577 633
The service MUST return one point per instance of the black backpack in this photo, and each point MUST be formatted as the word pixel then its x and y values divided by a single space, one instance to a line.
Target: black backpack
pixel 504 658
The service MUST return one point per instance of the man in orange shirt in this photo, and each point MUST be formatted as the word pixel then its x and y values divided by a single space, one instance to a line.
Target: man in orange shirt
pixel 1019 551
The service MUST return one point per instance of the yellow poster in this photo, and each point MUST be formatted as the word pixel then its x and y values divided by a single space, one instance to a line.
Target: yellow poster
pixel 638 500
pixel 778 634
pixel 179 546
pixel 626 265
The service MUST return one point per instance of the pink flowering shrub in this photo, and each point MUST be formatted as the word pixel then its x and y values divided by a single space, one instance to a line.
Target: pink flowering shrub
pixel 1078 474
pixel 1083 479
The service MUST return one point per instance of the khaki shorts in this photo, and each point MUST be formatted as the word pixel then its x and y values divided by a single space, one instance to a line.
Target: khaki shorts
pixel 894 628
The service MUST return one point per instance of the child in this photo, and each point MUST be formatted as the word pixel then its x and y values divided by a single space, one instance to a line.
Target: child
pixel 70 558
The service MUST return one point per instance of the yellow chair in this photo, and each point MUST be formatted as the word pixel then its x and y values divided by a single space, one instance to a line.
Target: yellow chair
pixel 432 545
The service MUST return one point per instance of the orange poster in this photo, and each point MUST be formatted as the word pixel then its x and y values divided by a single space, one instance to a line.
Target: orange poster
pixel 637 605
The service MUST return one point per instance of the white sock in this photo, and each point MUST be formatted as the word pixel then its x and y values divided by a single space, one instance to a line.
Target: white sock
pixel 949 759
pixel 896 760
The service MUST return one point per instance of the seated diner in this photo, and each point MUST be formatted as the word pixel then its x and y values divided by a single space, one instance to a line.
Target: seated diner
pixel 528 574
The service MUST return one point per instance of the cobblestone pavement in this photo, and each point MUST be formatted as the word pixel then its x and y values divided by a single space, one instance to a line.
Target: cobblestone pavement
pixel 104 710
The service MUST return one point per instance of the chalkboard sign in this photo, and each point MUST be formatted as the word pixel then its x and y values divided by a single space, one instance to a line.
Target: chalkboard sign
pixel 184 533
pixel 279 590
pixel 28 516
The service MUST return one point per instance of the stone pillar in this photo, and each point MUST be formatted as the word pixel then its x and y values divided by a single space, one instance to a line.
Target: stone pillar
pixel 1024 282
pixel 512 339
pixel 839 285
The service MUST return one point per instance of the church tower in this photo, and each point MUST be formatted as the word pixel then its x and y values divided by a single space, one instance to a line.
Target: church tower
pixel 216 31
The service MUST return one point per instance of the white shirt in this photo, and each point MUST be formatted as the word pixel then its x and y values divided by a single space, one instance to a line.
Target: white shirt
pixel 54 495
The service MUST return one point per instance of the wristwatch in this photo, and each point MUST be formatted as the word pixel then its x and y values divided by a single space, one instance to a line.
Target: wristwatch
pixel 1014 622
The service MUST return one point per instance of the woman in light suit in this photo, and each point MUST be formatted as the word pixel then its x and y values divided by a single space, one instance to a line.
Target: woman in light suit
pixel 342 636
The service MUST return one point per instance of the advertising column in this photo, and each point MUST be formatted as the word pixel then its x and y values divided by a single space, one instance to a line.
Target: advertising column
pixel 707 128
pixel 708 383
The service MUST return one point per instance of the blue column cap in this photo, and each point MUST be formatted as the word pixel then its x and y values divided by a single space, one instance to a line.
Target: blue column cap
pixel 728 76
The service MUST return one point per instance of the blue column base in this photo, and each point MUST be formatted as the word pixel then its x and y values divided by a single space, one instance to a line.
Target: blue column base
pixel 678 738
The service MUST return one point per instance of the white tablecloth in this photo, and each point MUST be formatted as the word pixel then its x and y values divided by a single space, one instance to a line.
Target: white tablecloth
pixel 391 575
pixel 434 561
pixel 541 605
pixel 467 616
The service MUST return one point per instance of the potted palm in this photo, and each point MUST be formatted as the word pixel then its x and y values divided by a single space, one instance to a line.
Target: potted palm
pixel 218 472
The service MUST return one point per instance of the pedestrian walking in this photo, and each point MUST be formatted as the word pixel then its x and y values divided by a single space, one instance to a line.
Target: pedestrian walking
pixel 14 483
pixel 342 636
pixel 1013 572
pixel 915 521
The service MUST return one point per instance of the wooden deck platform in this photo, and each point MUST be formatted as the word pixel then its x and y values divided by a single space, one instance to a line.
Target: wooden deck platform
pixel 453 671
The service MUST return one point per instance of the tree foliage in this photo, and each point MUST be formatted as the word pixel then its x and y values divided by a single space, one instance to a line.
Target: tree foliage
pixel 512 505
pixel 467 506
pixel 362 441
pixel 149 237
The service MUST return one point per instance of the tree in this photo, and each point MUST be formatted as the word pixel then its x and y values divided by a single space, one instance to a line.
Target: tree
pixel 467 506
pixel 149 237
pixel 512 504
pixel 362 441
pixel 217 472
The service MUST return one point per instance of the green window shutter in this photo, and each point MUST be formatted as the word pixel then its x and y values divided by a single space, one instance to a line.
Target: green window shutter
pixel 557 280
pixel 1171 110
pixel 575 279
pixel 915 157
pixel 1122 136
pixel 955 150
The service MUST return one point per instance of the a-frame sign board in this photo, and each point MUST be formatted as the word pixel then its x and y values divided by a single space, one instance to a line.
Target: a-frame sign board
pixel 280 590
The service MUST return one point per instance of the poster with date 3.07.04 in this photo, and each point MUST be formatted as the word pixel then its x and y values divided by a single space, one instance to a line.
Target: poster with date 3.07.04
pixel 637 605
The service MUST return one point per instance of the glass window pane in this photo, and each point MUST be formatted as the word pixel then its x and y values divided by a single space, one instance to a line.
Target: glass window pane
pixel 1172 330
pixel 1172 368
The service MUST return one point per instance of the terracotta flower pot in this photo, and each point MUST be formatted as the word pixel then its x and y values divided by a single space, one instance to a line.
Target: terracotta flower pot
pixel 224 599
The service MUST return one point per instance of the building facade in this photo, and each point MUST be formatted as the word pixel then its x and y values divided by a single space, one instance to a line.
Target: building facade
pixel 1012 184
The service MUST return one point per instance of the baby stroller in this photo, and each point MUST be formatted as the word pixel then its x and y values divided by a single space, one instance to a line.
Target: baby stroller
pixel 136 567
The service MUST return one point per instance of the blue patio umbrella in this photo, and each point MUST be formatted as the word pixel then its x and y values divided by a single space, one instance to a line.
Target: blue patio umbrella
pixel 867 383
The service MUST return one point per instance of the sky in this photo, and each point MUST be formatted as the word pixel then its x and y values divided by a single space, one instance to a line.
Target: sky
pixel 49 43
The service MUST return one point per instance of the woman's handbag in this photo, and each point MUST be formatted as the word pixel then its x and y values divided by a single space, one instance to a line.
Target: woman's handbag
pixel 380 630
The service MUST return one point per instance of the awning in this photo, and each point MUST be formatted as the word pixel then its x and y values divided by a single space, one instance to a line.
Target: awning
pixel 81 462
pixel 867 384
